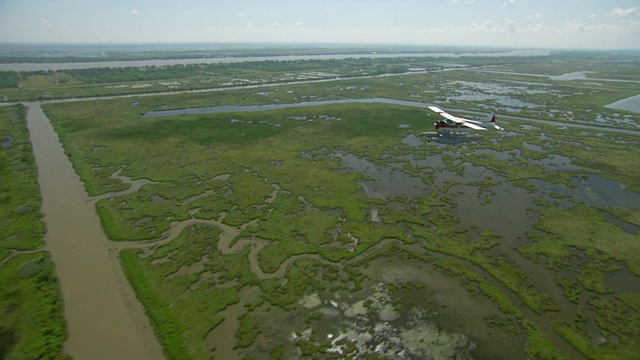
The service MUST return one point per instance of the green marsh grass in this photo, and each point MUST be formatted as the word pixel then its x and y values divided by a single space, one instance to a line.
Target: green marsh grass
pixel 30 300
pixel 320 209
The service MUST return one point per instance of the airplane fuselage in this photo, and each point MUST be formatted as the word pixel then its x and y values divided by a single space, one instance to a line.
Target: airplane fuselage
pixel 449 125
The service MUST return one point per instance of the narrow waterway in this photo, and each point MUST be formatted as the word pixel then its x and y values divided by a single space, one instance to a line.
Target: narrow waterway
pixel 104 318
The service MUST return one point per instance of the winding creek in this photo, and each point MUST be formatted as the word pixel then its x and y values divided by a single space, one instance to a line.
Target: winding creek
pixel 104 318
pixel 220 338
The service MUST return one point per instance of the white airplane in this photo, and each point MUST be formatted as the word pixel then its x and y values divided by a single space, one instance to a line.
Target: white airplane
pixel 451 122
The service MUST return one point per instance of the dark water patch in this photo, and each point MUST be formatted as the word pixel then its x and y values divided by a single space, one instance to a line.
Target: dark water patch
pixel 502 155
pixel 7 341
pixel 7 143
pixel 616 120
pixel 435 168
pixel 529 127
pixel 450 139
pixel 504 101
pixel 594 191
pixel 556 162
pixel 533 147
pixel 627 227
pixel 223 177
pixel 383 182
pixel 412 141
pixel 623 281
pixel 439 302
pixel 157 199
pixel 396 206
pixel 509 133
pixel 502 208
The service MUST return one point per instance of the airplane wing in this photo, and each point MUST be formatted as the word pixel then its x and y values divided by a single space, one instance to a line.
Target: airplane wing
pixel 473 126
pixel 461 121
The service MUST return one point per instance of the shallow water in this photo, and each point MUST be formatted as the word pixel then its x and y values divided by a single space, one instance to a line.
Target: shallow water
pixel 576 75
pixel 594 191
pixel 8 142
pixel 629 104
pixel 383 182
pixel 627 227
pixel 450 308
pixel 222 338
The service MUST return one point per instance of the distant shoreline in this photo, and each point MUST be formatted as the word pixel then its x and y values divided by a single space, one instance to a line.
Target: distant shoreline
pixel 37 63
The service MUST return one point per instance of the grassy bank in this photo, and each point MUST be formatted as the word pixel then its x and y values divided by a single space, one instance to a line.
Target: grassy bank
pixel 32 324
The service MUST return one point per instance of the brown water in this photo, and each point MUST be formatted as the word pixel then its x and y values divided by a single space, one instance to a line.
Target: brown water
pixel 104 318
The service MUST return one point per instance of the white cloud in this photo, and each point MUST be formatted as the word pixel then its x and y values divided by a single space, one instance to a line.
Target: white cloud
pixel 240 14
pixel 488 25
pixel 509 2
pixel 276 24
pixel 135 12
pixel 621 13
pixel 577 26
pixel 45 22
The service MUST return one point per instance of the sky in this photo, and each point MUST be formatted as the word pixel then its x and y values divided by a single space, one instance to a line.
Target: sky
pixel 585 24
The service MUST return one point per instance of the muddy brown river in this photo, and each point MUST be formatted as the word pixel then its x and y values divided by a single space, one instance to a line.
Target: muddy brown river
pixel 104 318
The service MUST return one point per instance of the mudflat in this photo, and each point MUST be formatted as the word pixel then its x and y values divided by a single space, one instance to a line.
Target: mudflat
pixel 104 318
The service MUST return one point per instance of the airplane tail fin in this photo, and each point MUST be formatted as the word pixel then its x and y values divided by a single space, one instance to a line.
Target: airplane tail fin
pixel 492 119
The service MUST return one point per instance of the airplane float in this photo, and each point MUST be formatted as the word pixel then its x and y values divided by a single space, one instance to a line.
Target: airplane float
pixel 450 125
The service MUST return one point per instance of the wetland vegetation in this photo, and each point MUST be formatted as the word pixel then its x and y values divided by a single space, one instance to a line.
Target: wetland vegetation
pixel 32 324
pixel 334 230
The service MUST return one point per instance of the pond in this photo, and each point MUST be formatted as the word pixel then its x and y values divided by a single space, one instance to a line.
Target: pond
pixel 594 191
pixel 628 104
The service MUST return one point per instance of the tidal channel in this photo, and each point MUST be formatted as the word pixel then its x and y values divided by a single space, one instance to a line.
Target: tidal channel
pixel 104 318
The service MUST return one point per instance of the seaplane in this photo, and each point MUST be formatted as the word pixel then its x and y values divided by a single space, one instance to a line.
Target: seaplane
pixel 451 126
